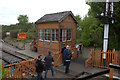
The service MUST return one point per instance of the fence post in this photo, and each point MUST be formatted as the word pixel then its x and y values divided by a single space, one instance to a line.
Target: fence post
pixel 111 74
pixel 92 57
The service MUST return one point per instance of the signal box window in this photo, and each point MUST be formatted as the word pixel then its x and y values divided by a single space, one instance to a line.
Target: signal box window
pixel 63 35
pixel 69 33
pixel 47 34
pixel 41 34
pixel 54 34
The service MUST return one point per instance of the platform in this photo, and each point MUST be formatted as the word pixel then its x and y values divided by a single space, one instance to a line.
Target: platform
pixel 77 66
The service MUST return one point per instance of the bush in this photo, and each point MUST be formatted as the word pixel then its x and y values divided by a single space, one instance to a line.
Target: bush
pixel 3 71
pixel 13 33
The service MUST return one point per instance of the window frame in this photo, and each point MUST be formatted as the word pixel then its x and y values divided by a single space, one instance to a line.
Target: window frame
pixel 56 35
pixel 64 35
pixel 41 34
pixel 70 35
pixel 48 34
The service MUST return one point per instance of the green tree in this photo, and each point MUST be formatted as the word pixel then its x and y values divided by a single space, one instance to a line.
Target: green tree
pixel 32 32
pixel 5 28
pixel 23 23
pixel 23 19
pixel 90 32
pixel 22 26
pixel 78 28
pixel 114 35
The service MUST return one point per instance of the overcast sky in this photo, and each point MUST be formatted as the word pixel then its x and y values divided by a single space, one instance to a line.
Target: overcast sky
pixel 35 9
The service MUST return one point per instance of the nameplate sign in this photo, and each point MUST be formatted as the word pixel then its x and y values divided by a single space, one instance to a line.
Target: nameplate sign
pixel 47 43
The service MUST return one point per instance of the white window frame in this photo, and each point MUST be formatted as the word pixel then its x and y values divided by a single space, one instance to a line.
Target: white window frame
pixel 47 33
pixel 41 32
pixel 55 35
pixel 70 35
pixel 64 35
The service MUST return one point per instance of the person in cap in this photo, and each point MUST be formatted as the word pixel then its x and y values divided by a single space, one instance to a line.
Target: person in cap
pixel 67 58
pixel 48 63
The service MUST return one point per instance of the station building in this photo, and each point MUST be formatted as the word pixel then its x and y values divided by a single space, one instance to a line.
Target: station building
pixel 55 31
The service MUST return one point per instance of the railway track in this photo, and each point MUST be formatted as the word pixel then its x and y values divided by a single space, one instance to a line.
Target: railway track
pixel 8 54
pixel 10 58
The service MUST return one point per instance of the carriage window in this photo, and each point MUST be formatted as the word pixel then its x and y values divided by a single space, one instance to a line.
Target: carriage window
pixel 69 34
pixel 47 34
pixel 41 34
pixel 64 35
pixel 54 34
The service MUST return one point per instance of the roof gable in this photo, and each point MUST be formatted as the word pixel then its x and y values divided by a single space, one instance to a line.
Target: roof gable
pixel 55 17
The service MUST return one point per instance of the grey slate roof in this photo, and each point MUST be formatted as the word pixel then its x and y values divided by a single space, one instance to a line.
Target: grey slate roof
pixel 55 17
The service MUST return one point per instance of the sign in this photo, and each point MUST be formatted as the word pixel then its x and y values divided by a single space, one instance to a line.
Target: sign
pixel 47 43
pixel 21 35
pixel 8 33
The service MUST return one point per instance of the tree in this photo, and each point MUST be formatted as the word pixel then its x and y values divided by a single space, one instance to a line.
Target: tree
pixel 23 24
pixel 78 28
pixel 23 19
pixel 90 33
pixel 114 35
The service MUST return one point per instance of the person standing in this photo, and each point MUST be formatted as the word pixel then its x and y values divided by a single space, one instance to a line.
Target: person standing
pixel 63 60
pixel 67 57
pixel 48 63
pixel 39 67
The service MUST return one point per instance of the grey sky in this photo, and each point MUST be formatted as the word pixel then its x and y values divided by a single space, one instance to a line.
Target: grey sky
pixel 34 9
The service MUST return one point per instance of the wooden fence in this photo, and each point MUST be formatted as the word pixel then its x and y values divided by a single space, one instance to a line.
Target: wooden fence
pixel 96 58
pixel 22 69
pixel 26 68
pixel 58 56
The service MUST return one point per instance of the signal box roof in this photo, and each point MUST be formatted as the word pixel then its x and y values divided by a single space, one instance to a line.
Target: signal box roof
pixel 55 17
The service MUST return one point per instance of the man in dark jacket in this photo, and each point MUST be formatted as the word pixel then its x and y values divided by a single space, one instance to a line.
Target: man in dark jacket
pixel 48 63
pixel 67 58
pixel 39 68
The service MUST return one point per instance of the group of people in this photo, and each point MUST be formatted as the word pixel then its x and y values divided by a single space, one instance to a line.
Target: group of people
pixel 44 66
pixel 48 64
